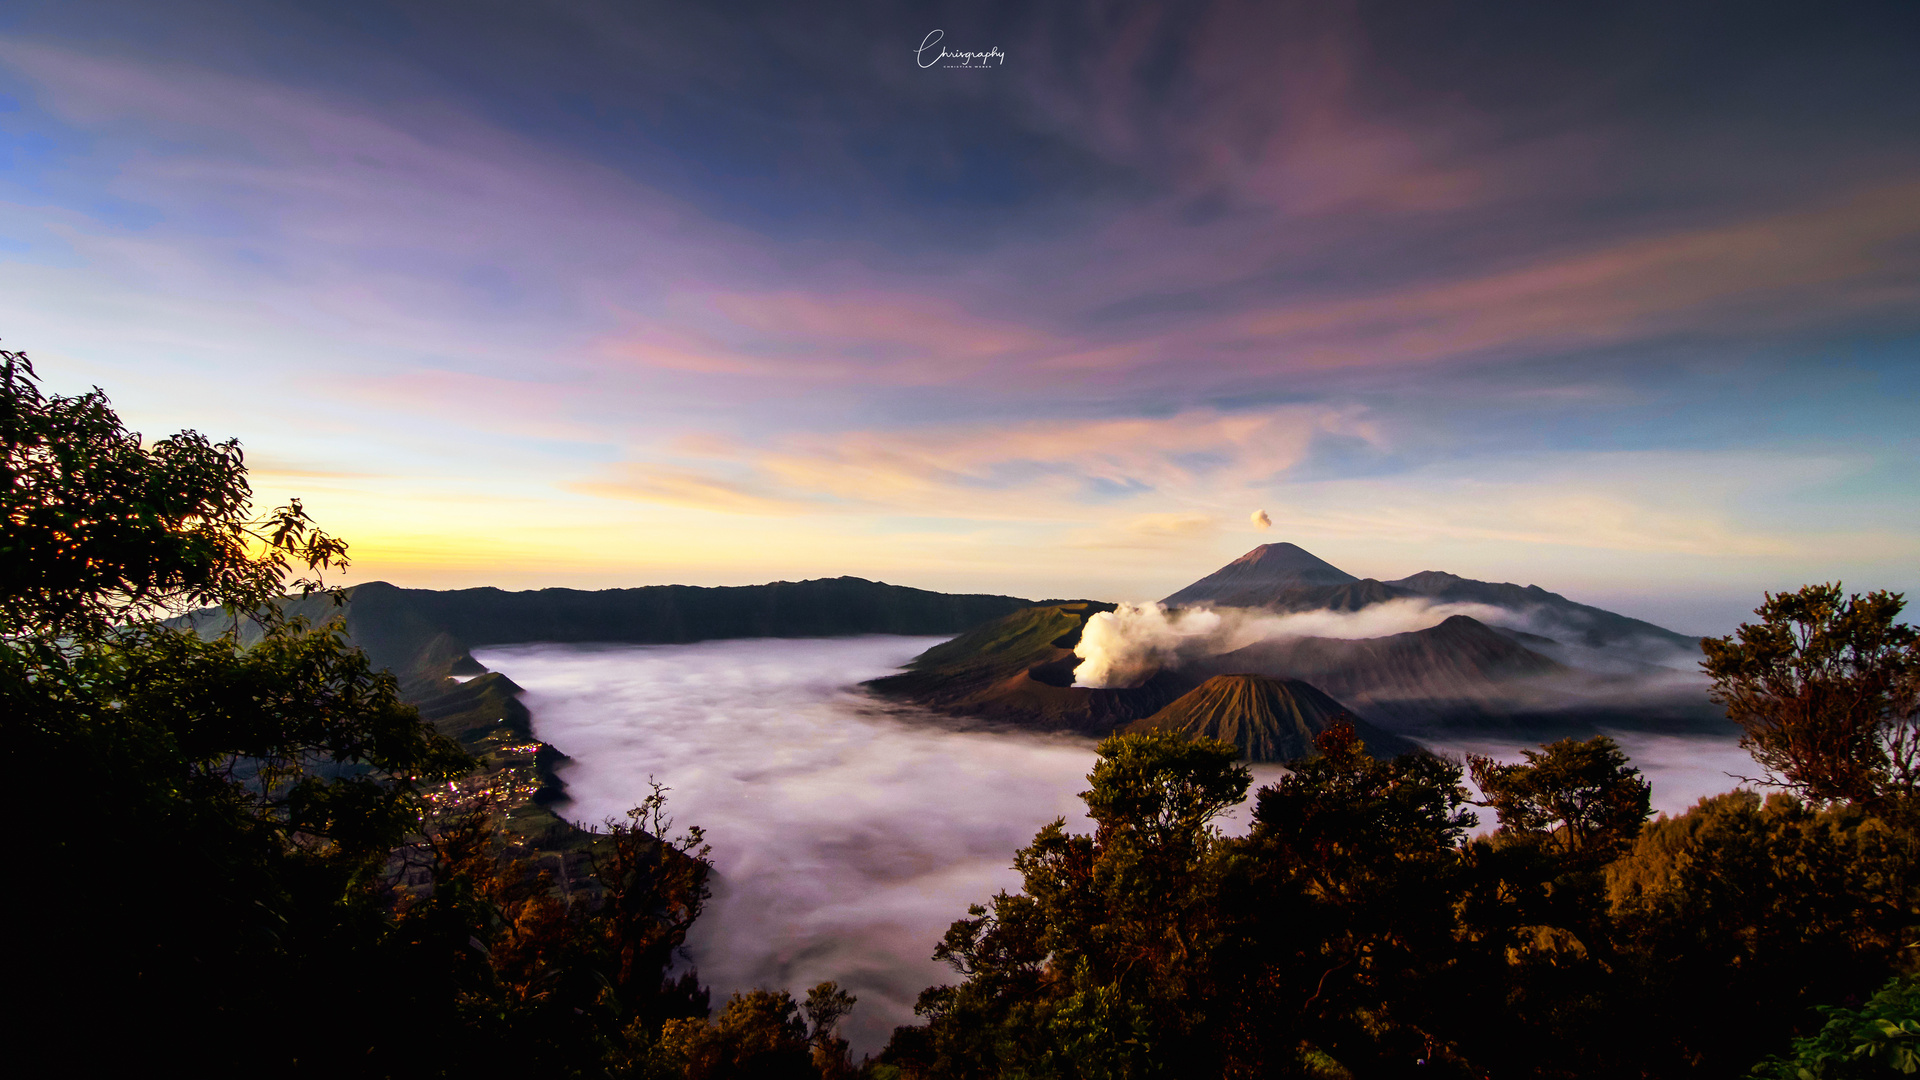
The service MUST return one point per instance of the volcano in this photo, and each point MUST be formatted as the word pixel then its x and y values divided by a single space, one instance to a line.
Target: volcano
pixel 1288 578
pixel 1269 719
pixel 1266 572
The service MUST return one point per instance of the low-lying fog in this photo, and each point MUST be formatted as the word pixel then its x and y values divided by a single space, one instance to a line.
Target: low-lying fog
pixel 847 834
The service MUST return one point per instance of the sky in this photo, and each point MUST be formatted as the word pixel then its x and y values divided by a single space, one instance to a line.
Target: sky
pixel 1622 300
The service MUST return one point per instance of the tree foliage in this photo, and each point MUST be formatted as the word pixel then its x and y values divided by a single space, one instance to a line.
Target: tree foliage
pixel 1358 929
pixel 1825 688
pixel 100 526
pixel 223 830
pixel 1582 797
pixel 1881 1038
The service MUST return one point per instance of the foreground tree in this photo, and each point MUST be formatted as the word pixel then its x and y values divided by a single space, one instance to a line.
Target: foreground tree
pixel 1825 688
pixel 214 818
pixel 1102 966
pixel 210 833
pixel 99 527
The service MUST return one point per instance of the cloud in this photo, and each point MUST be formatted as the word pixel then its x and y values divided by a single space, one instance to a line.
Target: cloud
pixel 1260 520
pixel 901 338
pixel 1149 532
pixel 697 491
pixel 1050 470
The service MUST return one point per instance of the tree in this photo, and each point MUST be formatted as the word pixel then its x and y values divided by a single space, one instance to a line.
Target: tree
pixel 97 526
pixel 1881 1038
pixel 213 818
pixel 1103 964
pixel 1825 690
pixel 764 1035
pixel 1739 916
pixel 210 829
pixel 1582 797
pixel 1353 887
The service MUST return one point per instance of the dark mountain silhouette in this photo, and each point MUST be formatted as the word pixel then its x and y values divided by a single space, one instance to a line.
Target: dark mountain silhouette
pixel 1018 669
pixel 1261 574
pixel 427 634
pixel 1269 719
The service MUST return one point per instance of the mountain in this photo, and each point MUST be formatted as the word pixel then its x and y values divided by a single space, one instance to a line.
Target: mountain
pixel 1583 624
pixel 427 634
pixel 426 637
pixel 1269 719
pixel 1018 669
pixel 1419 675
pixel 1261 574
pixel 1287 578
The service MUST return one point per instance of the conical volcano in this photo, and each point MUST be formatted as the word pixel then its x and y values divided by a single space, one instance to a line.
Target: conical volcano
pixel 1269 719
pixel 1261 573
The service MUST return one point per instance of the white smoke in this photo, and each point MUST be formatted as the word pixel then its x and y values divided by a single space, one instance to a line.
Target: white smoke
pixel 1260 520
pixel 1124 647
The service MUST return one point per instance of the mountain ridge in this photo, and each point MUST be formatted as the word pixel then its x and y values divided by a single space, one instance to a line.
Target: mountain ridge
pixel 1286 578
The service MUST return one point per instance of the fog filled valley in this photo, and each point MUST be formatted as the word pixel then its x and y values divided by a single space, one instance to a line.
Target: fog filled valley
pixel 848 831
pixel 846 836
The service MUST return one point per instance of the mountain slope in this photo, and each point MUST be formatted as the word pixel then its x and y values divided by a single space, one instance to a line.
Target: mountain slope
pixel 1264 572
pixel 1287 578
pixel 1584 624
pixel 1018 669
pixel 1269 719
pixel 428 634
pixel 1460 663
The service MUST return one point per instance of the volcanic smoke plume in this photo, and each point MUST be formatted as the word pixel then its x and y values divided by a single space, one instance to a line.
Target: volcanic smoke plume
pixel 1124 647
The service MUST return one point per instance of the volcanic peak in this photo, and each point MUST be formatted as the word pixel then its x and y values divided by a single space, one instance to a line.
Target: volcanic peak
pixel 1268 568
pixel 1269 719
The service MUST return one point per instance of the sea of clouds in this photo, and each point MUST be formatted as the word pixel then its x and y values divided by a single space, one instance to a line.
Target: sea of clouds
pixel 848 834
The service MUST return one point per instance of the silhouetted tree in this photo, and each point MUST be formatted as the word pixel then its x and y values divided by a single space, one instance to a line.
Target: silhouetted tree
pixel 1825 688
pixel 1582 797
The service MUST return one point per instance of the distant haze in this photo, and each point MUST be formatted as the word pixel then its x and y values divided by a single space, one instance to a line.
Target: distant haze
pixel 847 836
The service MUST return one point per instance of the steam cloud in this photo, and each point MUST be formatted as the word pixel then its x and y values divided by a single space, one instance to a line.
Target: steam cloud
pixel 1124 647
pixel 1260 520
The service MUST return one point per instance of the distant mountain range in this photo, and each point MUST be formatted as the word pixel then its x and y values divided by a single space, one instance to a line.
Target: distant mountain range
pixel 428 634
pixel 425 637
pixel 1544 662
pixel 1287 578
